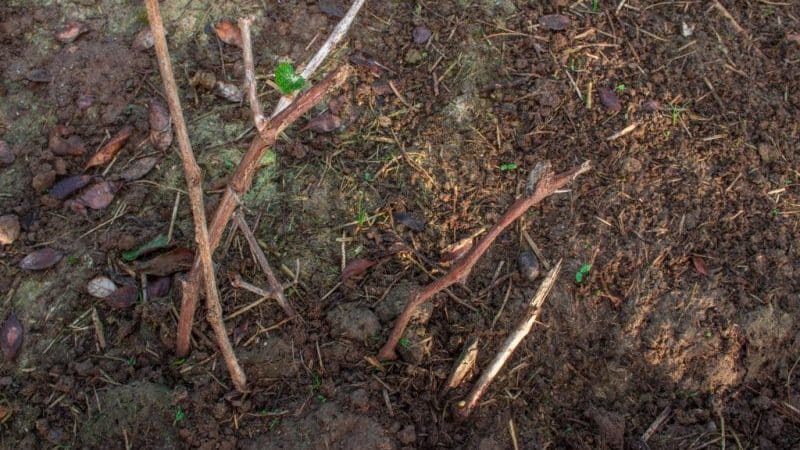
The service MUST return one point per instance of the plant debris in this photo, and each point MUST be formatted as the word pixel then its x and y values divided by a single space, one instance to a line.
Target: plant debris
pixel 97 196
pixel 41 259
pixel 177 260
pixel 143 40
pixel 69 185
pixel 421 34
pixel 411 220
pixel 228 32
pixel 158 242
pixel 554 22
pixel 159 287
pixel 11 336
pixel 160 125
pixel 9 229
pixel 124 297
pixel 324 123
pixel 203 80
pixel 454 251
pixel 609 98
pixel 70 31
pixel 700 265
pixel 228 91
pixel 61 146
pixel 356 268
pixel 110 149
pixel 139 168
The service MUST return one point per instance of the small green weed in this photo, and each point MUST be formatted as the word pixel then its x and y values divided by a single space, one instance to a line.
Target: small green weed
pixel 595 6
pixel 620 88
pixel 179 416
pixel 676 112
pixel 404 342
pixel 287 80
pixel 508 166
pixel 72 260
pixel 580 275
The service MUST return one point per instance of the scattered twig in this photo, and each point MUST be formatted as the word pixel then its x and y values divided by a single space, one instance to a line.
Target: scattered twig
pixel 333 40
pixel 465 407
pixel 194 185
pixel 274 285
pixel 99 332
pixel 174 216
pixel 656 424
pixel 249 74
pixel 239 184
pixel 463 366
pixel 547 184
pixel 622 132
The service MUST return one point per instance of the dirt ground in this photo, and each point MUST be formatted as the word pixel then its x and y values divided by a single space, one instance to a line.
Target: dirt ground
pixel 690 221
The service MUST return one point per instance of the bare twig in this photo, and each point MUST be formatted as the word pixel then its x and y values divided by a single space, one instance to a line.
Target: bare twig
pixel 249 74
pixel 547 184
pixel 239 184
pixel 194 185
pixel 464 408
pixel 333 40
pixel 274 285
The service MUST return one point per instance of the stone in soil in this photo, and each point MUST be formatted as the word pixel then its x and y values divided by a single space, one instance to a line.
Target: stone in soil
pixel 9 229
pixel 352 321
pixel 396 300
pixel 415 345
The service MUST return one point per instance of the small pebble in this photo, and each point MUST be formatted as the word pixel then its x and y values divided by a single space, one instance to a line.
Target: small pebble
pixel 421 34
pixel 528 266
pixel 9 229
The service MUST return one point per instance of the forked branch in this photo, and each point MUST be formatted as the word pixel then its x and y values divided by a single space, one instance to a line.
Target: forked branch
pixel 542 184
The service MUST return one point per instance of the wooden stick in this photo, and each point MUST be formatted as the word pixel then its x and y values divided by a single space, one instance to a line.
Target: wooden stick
pixel 194 185
pixel 542 183
pixel 333 40
pixel 240 182
pixel 250 73
pixel 274 285
pixel 464 408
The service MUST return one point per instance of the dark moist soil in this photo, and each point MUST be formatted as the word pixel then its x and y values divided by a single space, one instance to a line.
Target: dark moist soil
pixel 690 223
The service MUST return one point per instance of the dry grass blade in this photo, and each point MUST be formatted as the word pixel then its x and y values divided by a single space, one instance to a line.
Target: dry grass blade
pixel 194 185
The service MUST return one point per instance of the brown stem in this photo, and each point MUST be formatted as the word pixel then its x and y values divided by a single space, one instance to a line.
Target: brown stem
pixel 274 285
pixel 547 185
pixel 194 186
pixel 239 184
pixel 250 73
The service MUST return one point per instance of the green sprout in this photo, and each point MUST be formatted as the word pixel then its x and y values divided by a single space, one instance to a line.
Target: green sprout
pixel 316 382
pixel 131 361
pixel 156 243
pixel 179 416
pixel 178 362
pixel 287 80
pixel 595 5
pixel 676 112
pixel 508 166
pixel 620 88
pixel 404 342
pixel 72 260
pixel 775 212
pixel 582 272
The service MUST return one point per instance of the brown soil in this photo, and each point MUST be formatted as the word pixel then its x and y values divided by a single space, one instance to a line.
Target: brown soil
pixel 691 223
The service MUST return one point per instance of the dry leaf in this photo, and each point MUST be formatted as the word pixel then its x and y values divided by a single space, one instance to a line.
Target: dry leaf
pixel 144 40
pixel 412 221
pixel 11 336
pixel 123 297
pixel 71 146
pixel 700 265
pixel 228 32
pixel 464 365
pixel 177 260
pixel 609 99
pixel 356 267
pixel 228 91
pixel 205 80
pixel 67 186
pixel 554 22
pixel 139 168
pixel 159 287
pixel 101 287
pixel 112 147
pixel 324 123
pixel 70 32
pixel 41 259
pixel 98 195
pixel 160 126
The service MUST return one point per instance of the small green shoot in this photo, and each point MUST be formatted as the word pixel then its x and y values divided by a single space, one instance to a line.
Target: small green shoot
pixel 316 382
pixel 178 362
pixel 72 260
pixel 676 112
pixel 156 243
pixel 620 88
pixel 228 163
pixel 708 334
pixel 508 166
pixel 404 342
pixel 582 272
pixel 595 5
pixel 179 416
pixel 369 177
pixel 775 212
pixel 287 80
pixel 131 361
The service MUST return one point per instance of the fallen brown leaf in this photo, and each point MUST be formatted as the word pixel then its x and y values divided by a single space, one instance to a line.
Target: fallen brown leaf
pixel 112 147
pixel 160 125
pixel 98 195
pixel 700 265
pixel 67 186
pixel 159 287
pixel 411 220
pixel 70 32
pixel 205 80
pixel 139 168
pixel 144 40
pixel 41 259
pixel 554 22
pixel 11 336
pixel 324 123
pixel 609 99
pixel 356 267
pixel 59 145
pixel 228 32
pixel 124 297
pixel 177 260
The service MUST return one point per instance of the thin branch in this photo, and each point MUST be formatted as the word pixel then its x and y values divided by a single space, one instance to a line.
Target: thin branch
pixel 249 74
pixel 194 185
pixel 333 40
pixel 274 285
pixel 239 184
pixel 464 408
pixel 545 184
